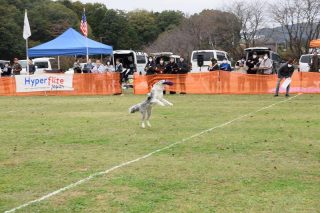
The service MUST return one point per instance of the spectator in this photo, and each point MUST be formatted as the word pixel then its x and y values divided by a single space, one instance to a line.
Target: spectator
pixel 98 68
pixel 150 68
pixel 285 71
pixel 32 68
pixel 225 66
pixel 314 67
pixel 214 65
pixel 171 67
pixel 265 66
pixel 16 68
pixel 77 66
pixel 251 64
pixel 183 69
pixel 88 67
pixel 109 67
pixel 6 71
pixel 160 67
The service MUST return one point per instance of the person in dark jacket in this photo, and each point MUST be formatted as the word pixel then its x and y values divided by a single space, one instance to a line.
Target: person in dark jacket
pixel 171 67
pixel 160 67
pixel 214 65
pixel 16 67
pixel 315 62
pixel 150 67
pixel 183 69
pixel 285 71
pixel 32 68
pixel 252 63
pixel 6 71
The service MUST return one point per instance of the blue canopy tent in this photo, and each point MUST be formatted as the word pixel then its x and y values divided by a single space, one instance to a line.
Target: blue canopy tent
pixel 70 43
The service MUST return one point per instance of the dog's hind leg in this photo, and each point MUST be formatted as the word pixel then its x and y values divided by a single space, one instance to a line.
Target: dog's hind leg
pixel 143 119
pixel 148 116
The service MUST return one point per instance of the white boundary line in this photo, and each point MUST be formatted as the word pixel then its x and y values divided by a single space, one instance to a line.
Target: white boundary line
pixel 143 157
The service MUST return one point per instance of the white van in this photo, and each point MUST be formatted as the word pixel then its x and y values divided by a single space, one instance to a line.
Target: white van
pixel 130 57
pixel 207 55
pixel 305 61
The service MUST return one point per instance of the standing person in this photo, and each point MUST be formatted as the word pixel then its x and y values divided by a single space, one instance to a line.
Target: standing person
pixel 150 67
pixel 77 66
pixel 6 71
pixel 183 69
pixel 171 68
pixel 251 63
pixel 16 68
pixel 88 66
pixel 266 65
pixel 32 68
pixel 109 67
pixel 285 71
pixel 214 65
pixel 160 67
pixel 315 62
pixel 98 68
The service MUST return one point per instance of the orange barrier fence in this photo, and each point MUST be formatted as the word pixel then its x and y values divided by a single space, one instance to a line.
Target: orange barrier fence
pixel 221 82
pixel 83 84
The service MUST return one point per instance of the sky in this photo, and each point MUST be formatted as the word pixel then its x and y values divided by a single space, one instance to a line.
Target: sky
pixel 186 6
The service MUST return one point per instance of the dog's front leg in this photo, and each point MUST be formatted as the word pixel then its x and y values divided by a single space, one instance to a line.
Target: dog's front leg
pixel 156 101
pixel 166 102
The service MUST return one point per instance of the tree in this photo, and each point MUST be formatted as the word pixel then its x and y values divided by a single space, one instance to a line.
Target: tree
pixel 251 18
pixel 300 21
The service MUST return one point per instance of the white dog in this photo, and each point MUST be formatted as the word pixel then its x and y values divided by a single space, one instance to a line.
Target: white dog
pixel 154 97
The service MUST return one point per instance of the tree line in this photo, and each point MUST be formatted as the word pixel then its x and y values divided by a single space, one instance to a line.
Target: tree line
pixel 169 30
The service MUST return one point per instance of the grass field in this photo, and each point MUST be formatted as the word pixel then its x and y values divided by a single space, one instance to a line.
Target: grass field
pixel 266 162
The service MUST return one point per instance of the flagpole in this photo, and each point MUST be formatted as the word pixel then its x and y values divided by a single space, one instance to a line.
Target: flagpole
pixel 27 56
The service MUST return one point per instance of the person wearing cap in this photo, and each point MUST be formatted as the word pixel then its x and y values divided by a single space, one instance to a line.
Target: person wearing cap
pixel 251 63
pixel 284 72
pixel 16 68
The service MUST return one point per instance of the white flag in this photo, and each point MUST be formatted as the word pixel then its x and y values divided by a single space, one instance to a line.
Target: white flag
pixel 26 27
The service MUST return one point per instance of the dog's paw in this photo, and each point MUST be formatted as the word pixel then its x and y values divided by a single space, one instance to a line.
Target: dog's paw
pixel 143 126
pixel 148 124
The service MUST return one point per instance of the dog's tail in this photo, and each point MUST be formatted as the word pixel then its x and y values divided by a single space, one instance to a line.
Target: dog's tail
pixel 134 108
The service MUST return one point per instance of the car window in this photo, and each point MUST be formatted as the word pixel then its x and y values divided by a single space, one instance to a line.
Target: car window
pixel 305 59
pixel 41 65
pixel 206 55
pixel 220 56
pixel 141 59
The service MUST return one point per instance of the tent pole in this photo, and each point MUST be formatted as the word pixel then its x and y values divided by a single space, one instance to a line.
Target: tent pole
pixel 59 62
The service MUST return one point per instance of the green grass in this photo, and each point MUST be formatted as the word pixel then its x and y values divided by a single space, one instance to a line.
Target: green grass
pixel 267 162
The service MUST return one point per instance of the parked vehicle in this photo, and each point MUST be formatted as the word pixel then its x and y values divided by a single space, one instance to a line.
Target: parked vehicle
pixel 305 61
pixel 130 59
pixel 206 56
pixel 261 51
pixel 165 56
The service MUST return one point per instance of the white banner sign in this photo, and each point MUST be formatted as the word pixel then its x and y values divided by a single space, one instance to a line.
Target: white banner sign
pixel 37 83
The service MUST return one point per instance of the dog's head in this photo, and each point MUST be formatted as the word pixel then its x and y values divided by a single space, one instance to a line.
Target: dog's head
pixel 164 82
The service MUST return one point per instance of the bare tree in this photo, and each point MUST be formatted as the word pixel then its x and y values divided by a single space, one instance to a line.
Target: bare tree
pixel 300 21
pixel 251 18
